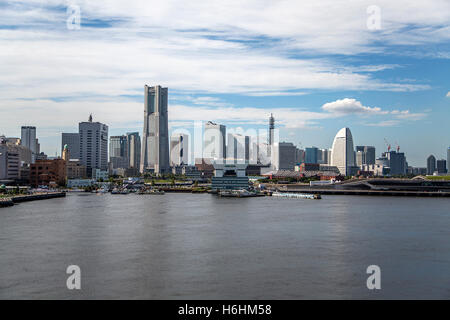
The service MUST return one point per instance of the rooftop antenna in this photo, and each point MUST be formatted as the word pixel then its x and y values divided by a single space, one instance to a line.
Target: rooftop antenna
pixel 90 117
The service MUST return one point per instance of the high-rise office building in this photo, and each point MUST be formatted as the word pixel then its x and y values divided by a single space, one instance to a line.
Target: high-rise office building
pixel 118 152
pixel 155 138
pixel 301 154
pixel 284 156
pixel 365 155
pixel 431 164
pixel 9 162
pixel 271 130
pixel 28 139
pixel 179 149
pixel 214 146
pixel 397 162
pixel 323 156
pixel 448 159
pixel 72 140
pixel 93 146
pixel 342 154
pixel 238 148
pixel 134 149
pixel 441 166
pixel 311 155
pixel 118 146
pixel 359 158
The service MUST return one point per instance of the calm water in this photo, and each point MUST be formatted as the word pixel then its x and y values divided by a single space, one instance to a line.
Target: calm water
pixel 184 246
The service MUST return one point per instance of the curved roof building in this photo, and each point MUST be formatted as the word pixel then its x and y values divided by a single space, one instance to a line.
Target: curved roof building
pixel 342 154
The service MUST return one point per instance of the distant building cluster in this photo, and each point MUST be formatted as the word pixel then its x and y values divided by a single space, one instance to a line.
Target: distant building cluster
pixel 229 157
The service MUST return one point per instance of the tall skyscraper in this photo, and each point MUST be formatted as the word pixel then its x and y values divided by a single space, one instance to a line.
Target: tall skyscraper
pixel 118 152
pixel 28 139
pixel 271 135
pixel 342 155
pixel 322 156
pixel 431 164
pixel 118 146
pixel 72 140
pixel 179 149
pixel 93 146
pixel 448 159
pixel 311 154
pixel 441 166
pixel 214 146
pixel 238 148
pixel 134 149
pixel 284 156
pixel 397 162
pixel 366 155
pixel 155 138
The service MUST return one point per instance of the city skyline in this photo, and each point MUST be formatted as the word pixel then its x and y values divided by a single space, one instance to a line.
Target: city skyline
pixel 382 83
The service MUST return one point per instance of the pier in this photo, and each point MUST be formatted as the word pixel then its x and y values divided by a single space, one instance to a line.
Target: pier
pixel 370 192
pixel 7 202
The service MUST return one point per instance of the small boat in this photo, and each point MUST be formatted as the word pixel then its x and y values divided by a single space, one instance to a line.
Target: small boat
pixel 152 191
pixel 120 191
pixel 296 195
pixel 240 193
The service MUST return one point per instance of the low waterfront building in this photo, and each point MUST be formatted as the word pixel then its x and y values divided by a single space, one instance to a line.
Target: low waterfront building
pixel 192 173
pixel 329 168
pixel 377 169
pixel 307 167
pixel 289 174
pixel 48 172
pixel 75 170
pixel 417 171
pixel 101 175
pixel 229 176
pixel 205 167
pixel 80 183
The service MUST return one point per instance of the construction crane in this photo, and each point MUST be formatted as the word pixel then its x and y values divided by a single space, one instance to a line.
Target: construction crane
pixel 388 145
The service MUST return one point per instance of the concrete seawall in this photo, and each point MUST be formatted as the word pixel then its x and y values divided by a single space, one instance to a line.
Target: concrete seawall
pixel 31 197
pixel 6 203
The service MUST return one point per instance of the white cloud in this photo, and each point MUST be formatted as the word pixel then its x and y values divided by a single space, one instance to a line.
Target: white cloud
pixel 255 48
pixel 350 106
pixel 386 123
pixel 407 115
pixel 448 94
pixel 200 46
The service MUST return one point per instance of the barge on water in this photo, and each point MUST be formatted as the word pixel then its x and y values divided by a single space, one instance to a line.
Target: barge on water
pixel 241 193
pixel 297 195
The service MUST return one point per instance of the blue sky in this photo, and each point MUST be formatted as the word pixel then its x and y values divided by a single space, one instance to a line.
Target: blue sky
pixel 317 66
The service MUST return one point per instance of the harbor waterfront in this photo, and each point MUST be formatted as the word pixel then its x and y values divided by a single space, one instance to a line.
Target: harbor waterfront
pixel 200 246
